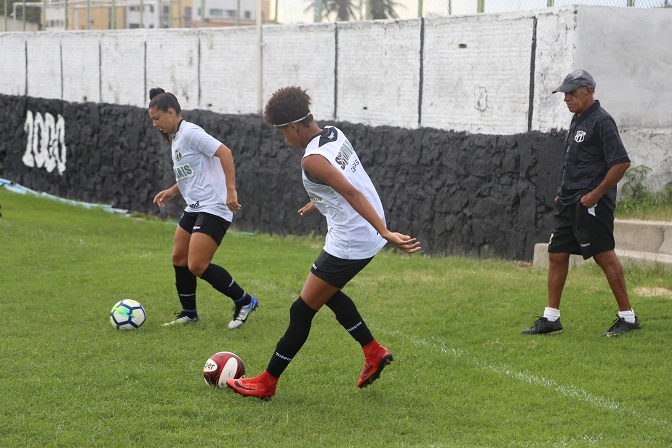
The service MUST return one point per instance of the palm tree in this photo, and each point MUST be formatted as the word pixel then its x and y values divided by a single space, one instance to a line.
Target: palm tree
pixel 345 9
pixel 384 9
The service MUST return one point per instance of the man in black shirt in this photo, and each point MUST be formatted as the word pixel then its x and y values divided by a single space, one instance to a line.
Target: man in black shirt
pixel 595 160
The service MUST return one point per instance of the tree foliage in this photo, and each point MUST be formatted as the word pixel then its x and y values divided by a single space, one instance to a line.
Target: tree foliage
pixel 346 10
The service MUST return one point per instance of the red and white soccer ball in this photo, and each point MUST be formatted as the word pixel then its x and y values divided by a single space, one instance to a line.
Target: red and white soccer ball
pixel 222 366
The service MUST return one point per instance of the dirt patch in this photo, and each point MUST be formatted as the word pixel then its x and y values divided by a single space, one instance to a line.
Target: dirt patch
pixel 654 292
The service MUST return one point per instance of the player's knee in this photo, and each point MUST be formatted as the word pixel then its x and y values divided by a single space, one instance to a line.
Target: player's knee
pixel 179 259
pixel 198 267
pixel 300 311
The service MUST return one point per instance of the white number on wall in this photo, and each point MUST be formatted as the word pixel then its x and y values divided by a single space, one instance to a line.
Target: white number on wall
pixel 45 147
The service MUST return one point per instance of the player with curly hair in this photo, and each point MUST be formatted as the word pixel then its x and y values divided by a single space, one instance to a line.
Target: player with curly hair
pixel 340 189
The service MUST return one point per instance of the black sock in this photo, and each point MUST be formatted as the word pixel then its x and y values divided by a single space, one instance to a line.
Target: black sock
pixel 300 319
pixel 221 280
pixel 185 282
pixel 348 316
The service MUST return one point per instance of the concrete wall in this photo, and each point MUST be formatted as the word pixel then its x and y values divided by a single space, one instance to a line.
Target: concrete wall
pixel 458 193
pixel 488 73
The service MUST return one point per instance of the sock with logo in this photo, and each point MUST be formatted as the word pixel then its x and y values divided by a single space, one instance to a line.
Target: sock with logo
pixel 185 282
pixel 300 320
pixel 628 316
pixel 221 280
pixel 348 316
pixel 551 314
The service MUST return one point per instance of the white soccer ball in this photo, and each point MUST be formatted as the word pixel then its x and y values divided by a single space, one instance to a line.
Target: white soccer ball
pixel 127 314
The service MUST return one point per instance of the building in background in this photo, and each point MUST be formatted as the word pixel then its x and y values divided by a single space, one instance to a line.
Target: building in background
pixel 149 14
pixel 228 12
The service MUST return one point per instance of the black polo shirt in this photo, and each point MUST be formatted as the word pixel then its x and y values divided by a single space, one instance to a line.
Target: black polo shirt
pixel 592 146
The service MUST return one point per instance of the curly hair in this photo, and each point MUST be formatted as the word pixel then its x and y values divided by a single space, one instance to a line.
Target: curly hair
pixel 286 105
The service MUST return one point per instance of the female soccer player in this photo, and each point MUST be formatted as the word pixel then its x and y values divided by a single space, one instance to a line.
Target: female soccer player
pixel 340 189
pixel 206 178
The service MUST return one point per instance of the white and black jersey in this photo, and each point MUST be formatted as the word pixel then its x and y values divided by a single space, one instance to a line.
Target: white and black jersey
pixel 349 235
pixel 198 172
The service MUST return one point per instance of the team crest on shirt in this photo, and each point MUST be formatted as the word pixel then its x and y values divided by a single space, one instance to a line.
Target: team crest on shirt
pixel 178 154
pixel 580 135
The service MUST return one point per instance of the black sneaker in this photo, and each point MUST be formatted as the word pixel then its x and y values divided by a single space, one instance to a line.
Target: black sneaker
pixel 544 326
pixel 620 326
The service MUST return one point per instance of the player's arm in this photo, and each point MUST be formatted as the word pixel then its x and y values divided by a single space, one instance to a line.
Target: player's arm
pixel 319 167
pixel 166 195
pixel 309 207
pixel 613 176
pixel 226 159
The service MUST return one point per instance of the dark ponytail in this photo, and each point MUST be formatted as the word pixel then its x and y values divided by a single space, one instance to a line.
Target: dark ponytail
pixel 162 100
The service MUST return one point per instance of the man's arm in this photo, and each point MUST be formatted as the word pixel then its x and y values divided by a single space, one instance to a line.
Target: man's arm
pixel 614 175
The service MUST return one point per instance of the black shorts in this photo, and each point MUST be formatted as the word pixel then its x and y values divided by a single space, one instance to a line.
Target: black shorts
pixel 337 271
pixel 213 226
pixel 582 231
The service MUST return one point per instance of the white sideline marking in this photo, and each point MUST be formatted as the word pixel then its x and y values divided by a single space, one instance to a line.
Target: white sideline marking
pixel 568 391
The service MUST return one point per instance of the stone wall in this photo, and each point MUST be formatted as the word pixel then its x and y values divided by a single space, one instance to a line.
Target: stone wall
pixel 458 193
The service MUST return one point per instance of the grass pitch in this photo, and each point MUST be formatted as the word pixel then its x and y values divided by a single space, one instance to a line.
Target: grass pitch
pixel 463 375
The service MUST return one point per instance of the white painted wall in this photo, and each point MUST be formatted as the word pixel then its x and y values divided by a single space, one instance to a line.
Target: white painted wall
pixel 81 69
pixel 630 55
pixel 13 67
pixel 173 64
pixel 379 72
pixel 228 70
pixel 476 70
pixel 477 73
pixel 286 63
pixel 44 62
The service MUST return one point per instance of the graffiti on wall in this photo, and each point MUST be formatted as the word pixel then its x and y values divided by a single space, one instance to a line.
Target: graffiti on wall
pixel 45 146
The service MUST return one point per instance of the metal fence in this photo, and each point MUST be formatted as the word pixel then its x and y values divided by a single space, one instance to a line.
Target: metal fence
pixel 22 15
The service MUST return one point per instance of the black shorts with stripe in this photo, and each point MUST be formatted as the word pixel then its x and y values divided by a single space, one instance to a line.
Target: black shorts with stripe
pixel 337 271
pixel 582 231
pixel 212 225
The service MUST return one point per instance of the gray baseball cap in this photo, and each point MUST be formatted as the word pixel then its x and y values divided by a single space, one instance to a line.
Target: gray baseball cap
pixel 578 78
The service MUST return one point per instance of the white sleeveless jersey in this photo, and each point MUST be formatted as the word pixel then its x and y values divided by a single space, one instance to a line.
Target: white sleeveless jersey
pixel 349 235
pixel 198 172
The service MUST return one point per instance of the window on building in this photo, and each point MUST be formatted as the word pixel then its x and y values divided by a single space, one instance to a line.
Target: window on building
pixel 230 13
pixel 187 17
pixel 248 14
pixel 215 12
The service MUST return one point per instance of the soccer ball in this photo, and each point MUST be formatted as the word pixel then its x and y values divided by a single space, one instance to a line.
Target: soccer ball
pixel 222 366
pixel 127 314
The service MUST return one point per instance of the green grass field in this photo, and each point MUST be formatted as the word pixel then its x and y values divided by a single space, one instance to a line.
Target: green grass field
pixel 463 375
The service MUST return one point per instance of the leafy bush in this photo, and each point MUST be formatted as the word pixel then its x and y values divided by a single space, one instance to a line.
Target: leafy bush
pixel 637 202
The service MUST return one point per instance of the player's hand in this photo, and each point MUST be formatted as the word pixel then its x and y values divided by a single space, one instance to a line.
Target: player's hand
pixel 404 242
pixel 590 200
pixel 232 200
pixel 309 207
pixel 164 196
